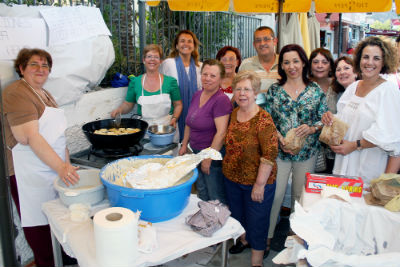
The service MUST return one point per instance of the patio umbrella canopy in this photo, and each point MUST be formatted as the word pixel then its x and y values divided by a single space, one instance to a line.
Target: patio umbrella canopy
pixel 272 6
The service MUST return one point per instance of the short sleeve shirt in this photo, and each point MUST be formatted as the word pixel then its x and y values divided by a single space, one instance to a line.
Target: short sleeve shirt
pixel 201 119
pixel 267 77
pixel 21 105
pixel 288 113
pixel 169 86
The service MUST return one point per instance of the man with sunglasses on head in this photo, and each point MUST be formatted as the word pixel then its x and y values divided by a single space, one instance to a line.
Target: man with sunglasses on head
pixel 265 63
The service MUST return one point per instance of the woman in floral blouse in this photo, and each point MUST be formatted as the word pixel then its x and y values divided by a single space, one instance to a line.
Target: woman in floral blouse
pixel 249 165
pixel 294 102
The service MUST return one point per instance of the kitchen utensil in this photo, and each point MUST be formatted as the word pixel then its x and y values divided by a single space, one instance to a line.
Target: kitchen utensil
pixel 114 141
pixel 161 129
pixel 118 120
pixel 88 190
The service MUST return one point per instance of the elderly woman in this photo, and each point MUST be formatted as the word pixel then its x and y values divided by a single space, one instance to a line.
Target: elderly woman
pixel 344 75
pixel 206 125
pixel 249 165
pixel 231 59
pixel 370 107
pixel 157 95
pixel 294 102
pixel 183 64
pixel 37 154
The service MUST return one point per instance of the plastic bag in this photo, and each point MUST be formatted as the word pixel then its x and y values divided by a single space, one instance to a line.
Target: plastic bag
pixel 383 190
pixel 119 80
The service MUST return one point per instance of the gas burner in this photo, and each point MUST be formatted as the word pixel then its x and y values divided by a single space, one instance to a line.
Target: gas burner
pixel 115 153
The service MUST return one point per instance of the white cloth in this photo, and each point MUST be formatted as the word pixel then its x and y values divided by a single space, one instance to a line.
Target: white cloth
pixel 155 108
pixel 313 28
pixel 35 178
pixel 174 237
pixel 290 32
pixel 168 67
pixel 342 234
pixel 373 118
pixel 392 77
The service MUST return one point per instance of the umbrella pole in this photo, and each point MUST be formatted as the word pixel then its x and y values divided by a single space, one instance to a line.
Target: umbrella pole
pixel 279 24
pixel 340 41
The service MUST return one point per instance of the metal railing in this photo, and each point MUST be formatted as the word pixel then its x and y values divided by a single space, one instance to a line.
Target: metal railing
pixel 213 29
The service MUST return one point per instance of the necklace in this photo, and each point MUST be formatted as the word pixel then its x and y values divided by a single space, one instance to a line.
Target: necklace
pixel 43 91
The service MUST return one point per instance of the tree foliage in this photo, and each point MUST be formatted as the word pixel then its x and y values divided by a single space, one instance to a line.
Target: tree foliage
pixel 386 25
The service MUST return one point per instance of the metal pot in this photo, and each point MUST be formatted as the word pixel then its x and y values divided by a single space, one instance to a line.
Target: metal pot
pixel 114 141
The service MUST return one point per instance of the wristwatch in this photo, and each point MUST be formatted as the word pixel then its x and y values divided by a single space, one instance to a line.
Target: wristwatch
pixel 359 147
pixel 316 128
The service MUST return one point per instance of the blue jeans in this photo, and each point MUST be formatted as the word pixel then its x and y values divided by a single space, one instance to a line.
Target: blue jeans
pixel 211 186
pixel 253 216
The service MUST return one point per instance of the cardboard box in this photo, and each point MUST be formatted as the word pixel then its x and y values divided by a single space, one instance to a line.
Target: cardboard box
pixel 314 183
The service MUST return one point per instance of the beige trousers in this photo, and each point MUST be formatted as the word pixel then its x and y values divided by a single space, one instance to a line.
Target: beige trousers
pixel 298 169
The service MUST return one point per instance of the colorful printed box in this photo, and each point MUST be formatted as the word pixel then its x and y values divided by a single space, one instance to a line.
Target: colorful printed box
pixel 315 182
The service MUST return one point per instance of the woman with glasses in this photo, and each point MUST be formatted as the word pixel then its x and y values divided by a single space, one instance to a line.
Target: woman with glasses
pixel 37 152
pixel 231 59
pixel 183 64
pixel 297 103
pixel 249 166
pixel 157 95
pixel 205 127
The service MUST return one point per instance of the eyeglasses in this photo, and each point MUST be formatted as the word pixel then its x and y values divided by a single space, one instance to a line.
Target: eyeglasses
pixel 37 66
pixel 245 90
pixel 152 57
pixel 265 39
pixel 227 60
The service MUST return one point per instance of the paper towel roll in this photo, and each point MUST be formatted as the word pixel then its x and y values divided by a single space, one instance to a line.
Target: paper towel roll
pixel 116 237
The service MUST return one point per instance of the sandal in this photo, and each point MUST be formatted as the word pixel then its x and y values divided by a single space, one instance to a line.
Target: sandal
pixel 267 249
pixel 238 247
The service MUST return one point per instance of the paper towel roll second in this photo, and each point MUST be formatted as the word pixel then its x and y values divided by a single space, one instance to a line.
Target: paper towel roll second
pixel 116 237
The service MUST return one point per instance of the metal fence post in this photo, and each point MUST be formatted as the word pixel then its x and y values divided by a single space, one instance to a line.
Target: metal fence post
pixel 142 31
pixel 6 223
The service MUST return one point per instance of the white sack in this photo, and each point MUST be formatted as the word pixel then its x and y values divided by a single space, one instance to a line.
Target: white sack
pixel 348 234
pixel 77 67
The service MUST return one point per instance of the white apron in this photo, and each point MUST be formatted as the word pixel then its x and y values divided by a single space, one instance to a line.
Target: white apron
pixel 155 108
pixel 35 178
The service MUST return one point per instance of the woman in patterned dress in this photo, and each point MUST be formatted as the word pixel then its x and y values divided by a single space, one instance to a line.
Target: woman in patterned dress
pixel 294 102
pixel 249 165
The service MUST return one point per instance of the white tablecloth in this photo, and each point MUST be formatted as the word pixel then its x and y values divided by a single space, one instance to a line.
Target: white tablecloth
pixel 174 237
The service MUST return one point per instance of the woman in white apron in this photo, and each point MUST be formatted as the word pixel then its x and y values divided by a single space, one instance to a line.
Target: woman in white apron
pixel 34 128
pixel 157 95
pixel 371 108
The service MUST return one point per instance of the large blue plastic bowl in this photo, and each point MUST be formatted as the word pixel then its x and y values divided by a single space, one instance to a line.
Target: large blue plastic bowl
pixel 156 205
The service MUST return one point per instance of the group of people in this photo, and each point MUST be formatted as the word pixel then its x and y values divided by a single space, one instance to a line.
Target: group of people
pixel 244 109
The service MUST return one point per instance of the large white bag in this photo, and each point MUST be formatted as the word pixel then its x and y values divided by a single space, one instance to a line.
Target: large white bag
pixel 347 234
pixel 78 66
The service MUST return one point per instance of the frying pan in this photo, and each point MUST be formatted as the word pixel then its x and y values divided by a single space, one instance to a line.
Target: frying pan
pixel 114 141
